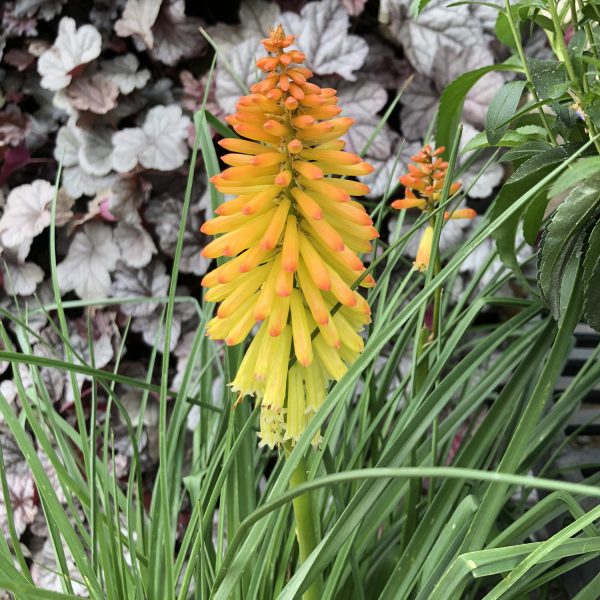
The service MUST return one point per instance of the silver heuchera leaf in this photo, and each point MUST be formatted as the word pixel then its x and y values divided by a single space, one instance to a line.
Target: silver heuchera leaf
pixel 127 194
pixel 77 180
pixel 95 93
pixel 52 476
pixel 420 100
pixel 104 337
pixel 194 91
pixel 21 488
pixel 95 151
pixel 362 101
pixel 42 9
pixel 419 107
pixel 321 32
pixel 176 35
pixel 230 83
pixel 354 7
pixel 382 66
pixel 51 346
pixel 387 171
pixel 72 48
pixel 151 282
pixel 161 143
pixel 20 277
pixel 8 389
pixel 454 233
pixel 152 327
pixel 137 20
pixel 475 179
pixel 124 72
pixel 13 126
pixel 137 247
pixel 22 495
pixel 165 214
pixel 436 27
pixel 92 256
pixel 256 17
pixel 27 212
pixel 45 571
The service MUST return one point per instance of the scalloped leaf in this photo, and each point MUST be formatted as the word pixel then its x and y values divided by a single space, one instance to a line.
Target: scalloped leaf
pixel 562 237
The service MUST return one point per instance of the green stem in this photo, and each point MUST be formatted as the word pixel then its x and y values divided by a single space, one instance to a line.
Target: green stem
pixel 521 53
pixel 437 301
pixel 494 497
pixel 588 30
pixel 305 523
pixel 566 59
pixel 560 39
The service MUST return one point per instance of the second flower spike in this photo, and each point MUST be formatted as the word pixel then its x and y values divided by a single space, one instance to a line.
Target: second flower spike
pixel 292 234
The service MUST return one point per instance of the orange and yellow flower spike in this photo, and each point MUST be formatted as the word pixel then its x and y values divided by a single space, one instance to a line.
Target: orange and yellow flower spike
pixel 423 185
pixel 291 233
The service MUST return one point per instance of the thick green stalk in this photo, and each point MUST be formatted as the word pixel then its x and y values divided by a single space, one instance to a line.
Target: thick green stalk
pixel 522 58
pixel 566 59
pixel 306 533
pixel 494 497
pixel 588 30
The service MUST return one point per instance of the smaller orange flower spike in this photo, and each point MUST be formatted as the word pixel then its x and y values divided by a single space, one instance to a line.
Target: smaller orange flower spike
pixel 423 184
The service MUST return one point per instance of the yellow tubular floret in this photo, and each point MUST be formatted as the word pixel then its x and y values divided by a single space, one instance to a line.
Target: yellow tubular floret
pixel 300 329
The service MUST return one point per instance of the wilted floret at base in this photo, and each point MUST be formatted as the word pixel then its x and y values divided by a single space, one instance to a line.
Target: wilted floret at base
pixel 292 234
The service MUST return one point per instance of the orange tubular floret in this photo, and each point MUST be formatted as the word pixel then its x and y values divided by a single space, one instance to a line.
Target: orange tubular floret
pixel 291 234
pixel 243 146
pixel 291 245
pixel 307 204
pixel 308 170
pixel 315 265
pixel 405 203
pixel 232 206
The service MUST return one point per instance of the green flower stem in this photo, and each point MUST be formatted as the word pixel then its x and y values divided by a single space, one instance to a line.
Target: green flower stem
pixel 437 301
pixel 560 39
pixel 566 59
pixel 588 30
pixel 306 533
pixel 495 495
pixel 521 53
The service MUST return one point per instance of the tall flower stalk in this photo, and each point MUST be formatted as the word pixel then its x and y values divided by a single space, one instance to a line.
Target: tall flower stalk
pixel 424 186
pixel 292 235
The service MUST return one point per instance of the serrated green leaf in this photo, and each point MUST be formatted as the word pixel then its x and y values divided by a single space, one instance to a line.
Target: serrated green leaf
pixel 537 162
pixel 527 175
pixel 579 170
pixel 502 107
pixel 591 279
pixel 562 237
pixel 532 131
pixel 526 151
pixel 510 139
pixel 549 77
